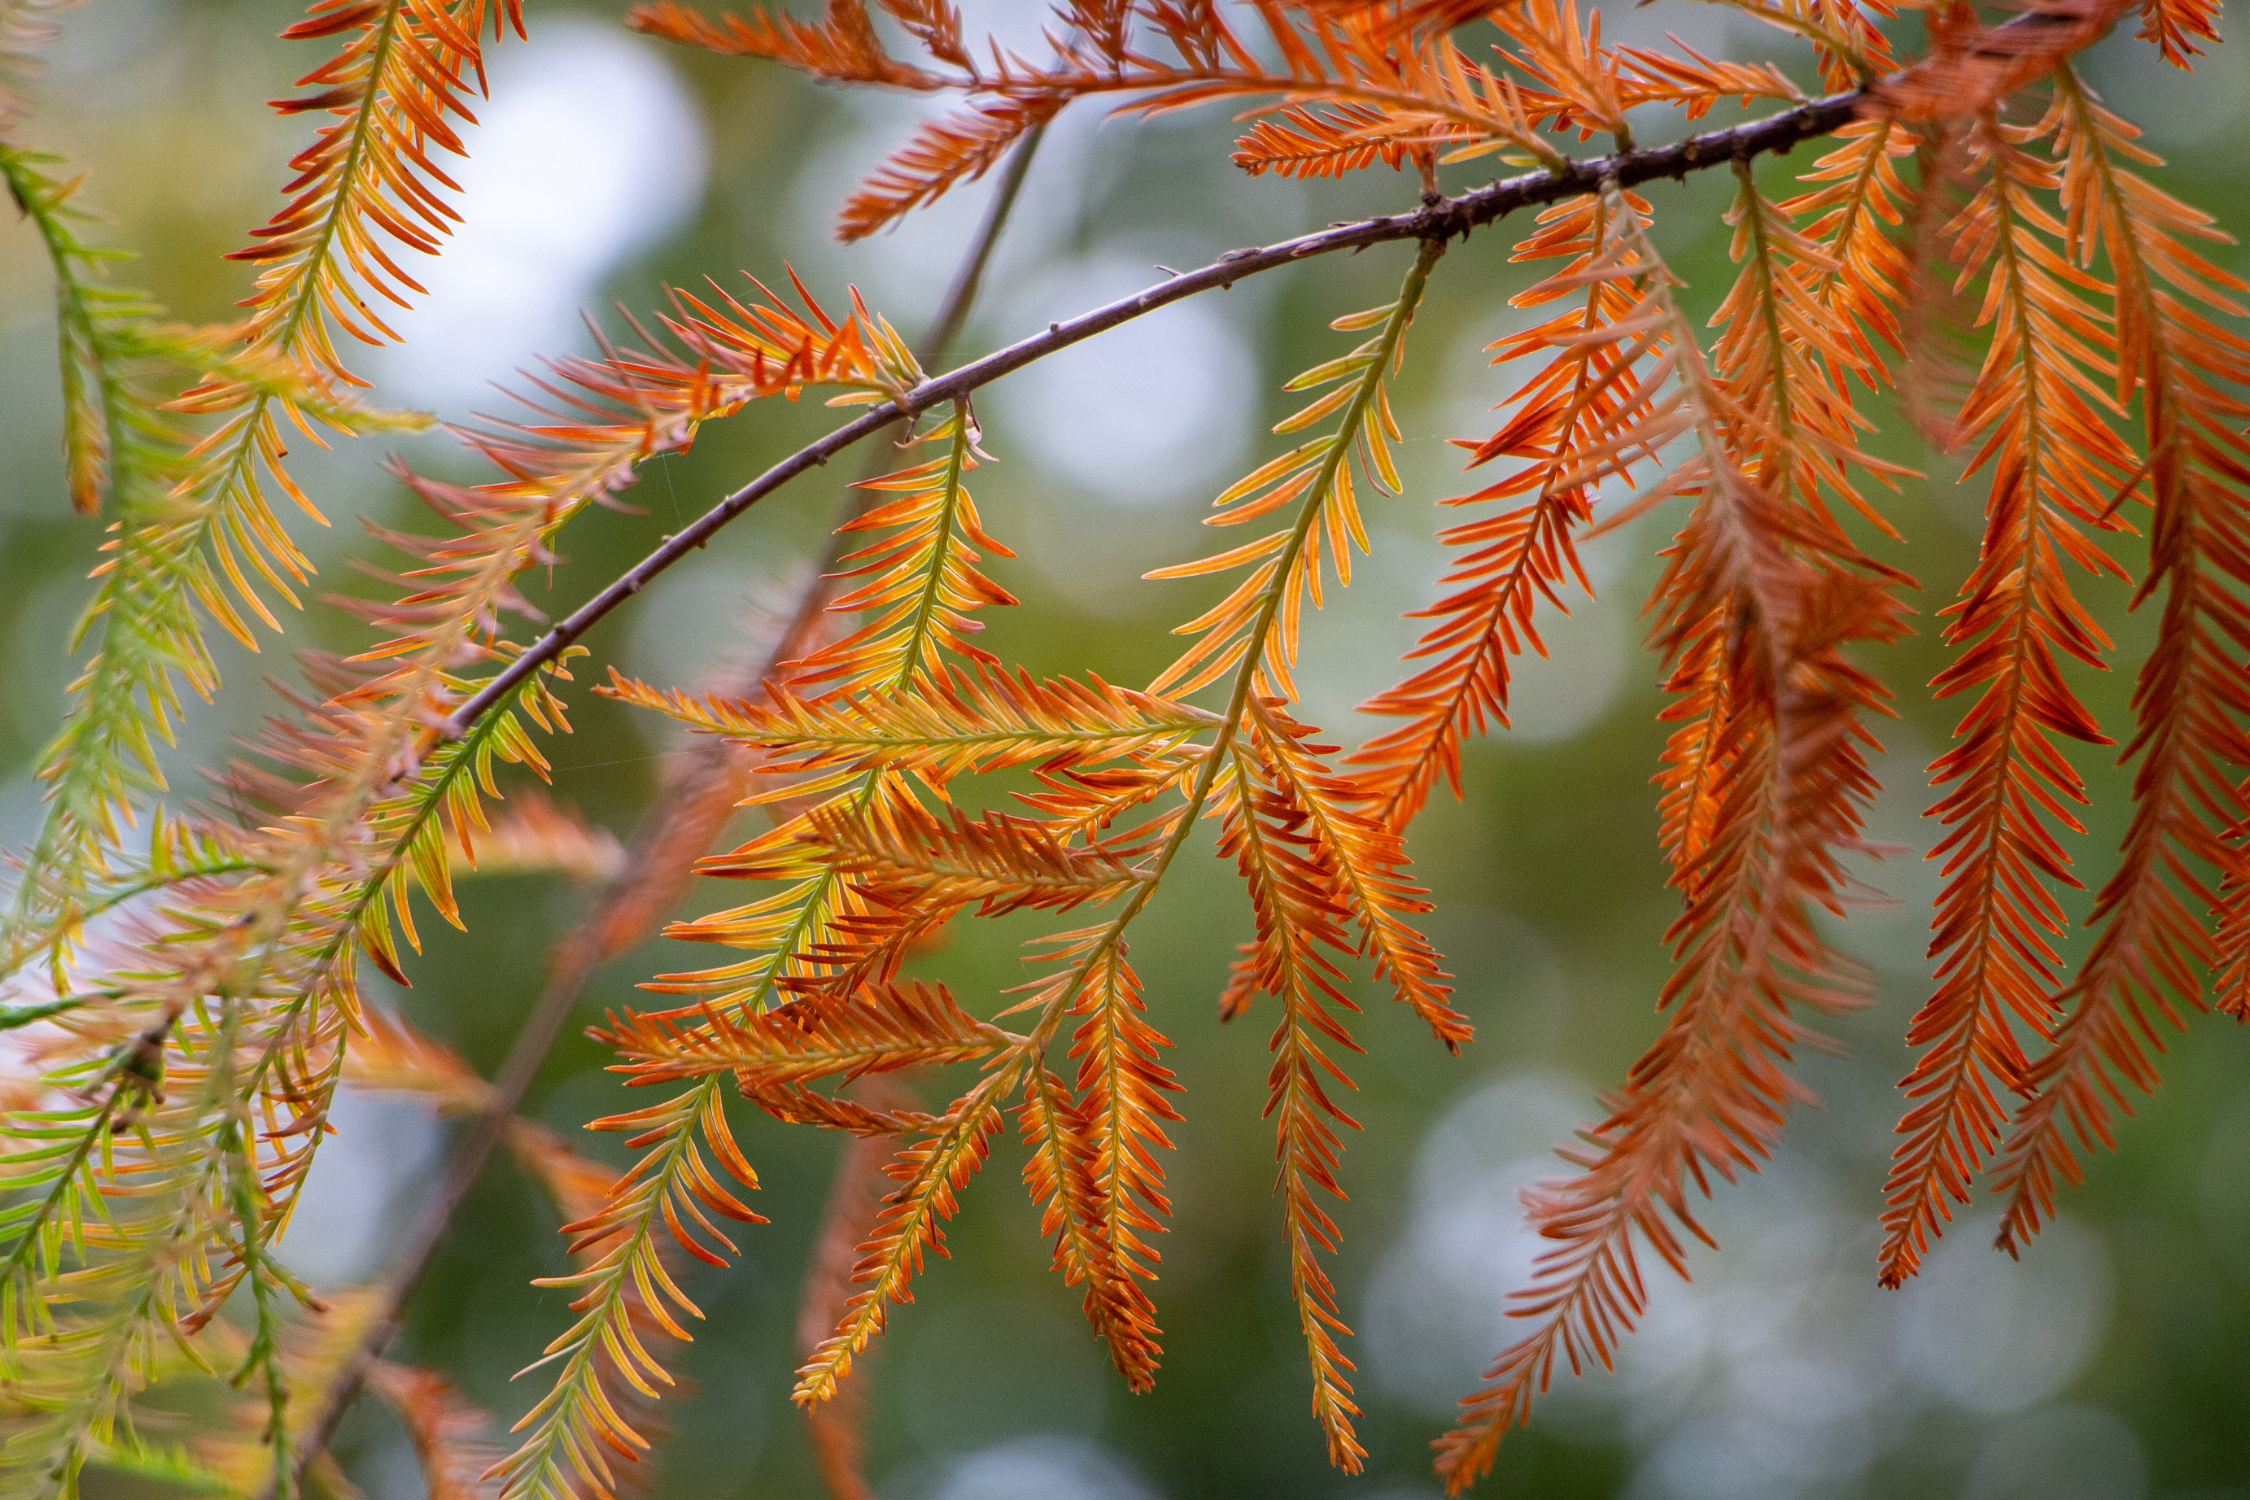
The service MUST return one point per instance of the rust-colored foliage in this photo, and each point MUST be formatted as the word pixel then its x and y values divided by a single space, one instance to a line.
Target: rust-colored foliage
pixel 199 1004
pixel 448 1433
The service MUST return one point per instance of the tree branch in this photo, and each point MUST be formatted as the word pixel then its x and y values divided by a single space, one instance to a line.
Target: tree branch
pixel 1445 219
pixel 576 958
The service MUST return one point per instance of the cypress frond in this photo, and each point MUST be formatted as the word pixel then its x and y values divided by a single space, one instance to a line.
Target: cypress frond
pixel 195 523
pixel 1253 631
pixel 832 938
pixel 1856 203
pixel 123 447
pixel 1758 601
pixel 930 1175
pixel 1293 892
pixel 2055 463
pixel 1385 103
pixel 1788 364
pixel 193 519
pixel 273 956
pixel 449 1435
pixel 1695 83
pixel 625 1293
pixel 1301 142
pixel 120 447
pixel 921 580
pixel 785 933
pixel 1367 857
pixel 2189 745
pixel 102 410
pixel 2180 28
pixel 337 870
pixel 1059 1174
pixel 1598 386
pixel 1252 634
pixel 1122 1109
pixel 795 1104
pixel 163 1196
pixel 999 862
pixel 960 722
pixel 888 1026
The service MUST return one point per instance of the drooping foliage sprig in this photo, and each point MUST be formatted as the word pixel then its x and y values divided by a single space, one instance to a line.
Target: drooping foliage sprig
pixel 187 1013
pixel 196 532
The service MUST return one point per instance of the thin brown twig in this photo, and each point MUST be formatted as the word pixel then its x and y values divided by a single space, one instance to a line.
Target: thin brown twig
pixel 1445 220
pixel 679 827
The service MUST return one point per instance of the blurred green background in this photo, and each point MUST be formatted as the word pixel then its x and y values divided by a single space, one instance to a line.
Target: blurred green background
pixel 2106 1366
